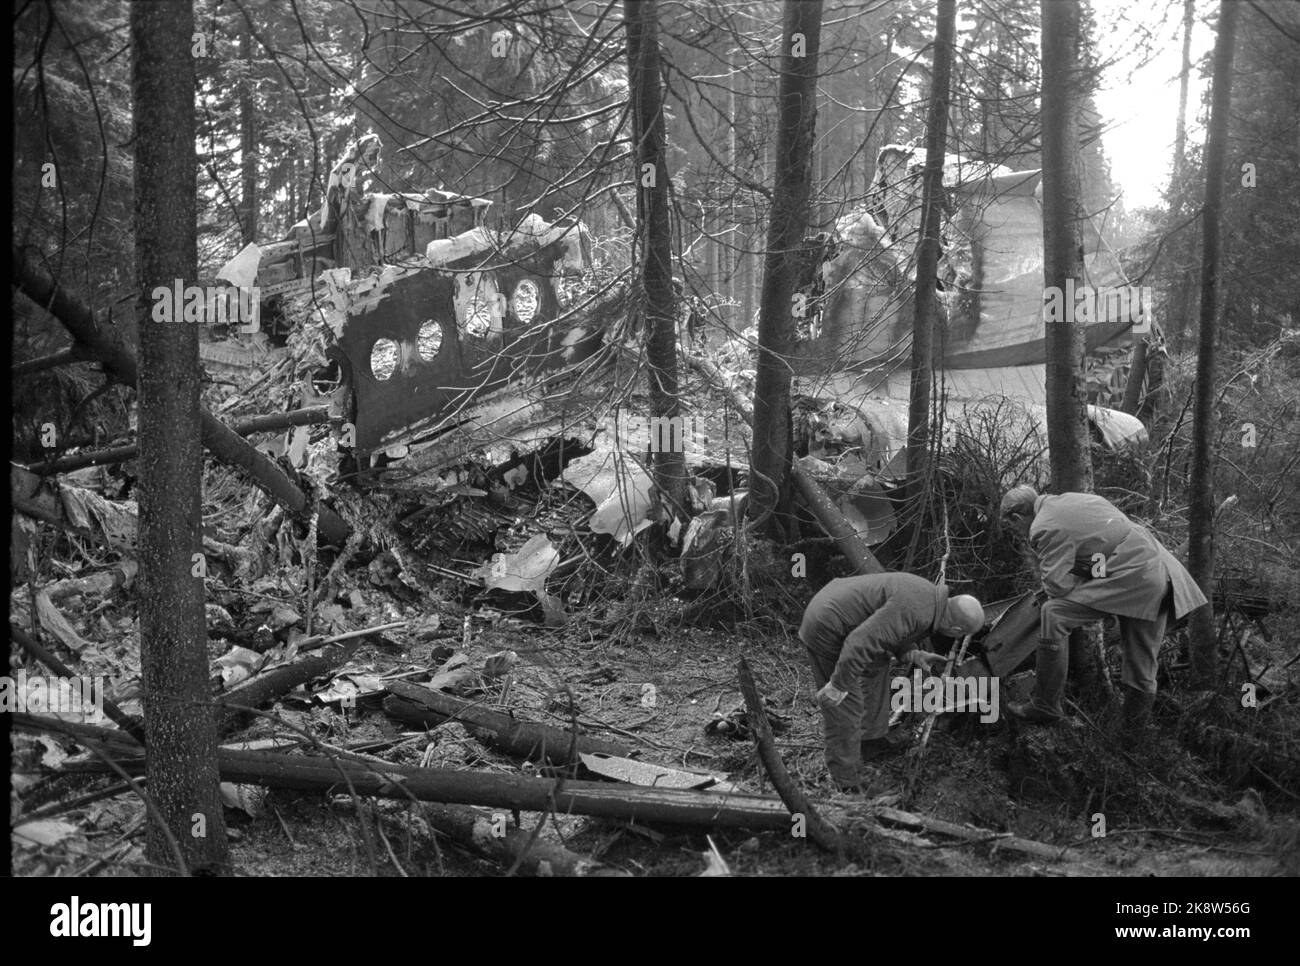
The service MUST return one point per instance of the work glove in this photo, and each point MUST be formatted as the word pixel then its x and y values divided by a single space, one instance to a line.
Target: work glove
pixel 830 696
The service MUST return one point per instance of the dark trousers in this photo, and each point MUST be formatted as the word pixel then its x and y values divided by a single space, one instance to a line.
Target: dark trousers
pixel 1139 640
pixel 862 715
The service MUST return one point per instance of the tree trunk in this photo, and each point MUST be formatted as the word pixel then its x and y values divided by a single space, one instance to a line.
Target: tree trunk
pixel 1182 307
pixel 732 239
pixel 182 738
pixel 247 143
pixel 796 117
pixel 1067 418
pixel 1067 397
pixel 927 260
pixel 1200 529
pixel 1184 79
pixel 654 230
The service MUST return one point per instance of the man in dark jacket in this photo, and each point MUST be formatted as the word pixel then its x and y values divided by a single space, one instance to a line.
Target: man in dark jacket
pixel 1094 561
pixel 853 628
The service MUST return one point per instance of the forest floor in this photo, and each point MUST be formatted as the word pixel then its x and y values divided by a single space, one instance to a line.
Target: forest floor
pixel 965 777
pixel 647 663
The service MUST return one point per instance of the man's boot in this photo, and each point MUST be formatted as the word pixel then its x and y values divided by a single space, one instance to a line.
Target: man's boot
pixel 1136 715
pixel 1051 665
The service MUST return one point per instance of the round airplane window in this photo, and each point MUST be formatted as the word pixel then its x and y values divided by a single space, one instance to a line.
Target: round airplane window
pixel 526 301
pixel 430 340
pixel 383 359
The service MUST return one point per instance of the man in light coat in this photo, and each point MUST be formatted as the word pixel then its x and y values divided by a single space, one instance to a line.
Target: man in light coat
pixel 853 627
pixel 1094 561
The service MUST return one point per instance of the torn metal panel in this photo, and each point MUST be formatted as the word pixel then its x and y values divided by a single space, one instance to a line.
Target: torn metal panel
pixel 993 307
pixel 422 346
pixel 646 773
pixel 449 336
pixel 524 570
pixel 411 382
pixel 619 486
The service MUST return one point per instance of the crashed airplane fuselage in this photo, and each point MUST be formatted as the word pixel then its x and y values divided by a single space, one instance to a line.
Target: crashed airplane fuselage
pixel 437 323
pixel 425 346
pixel 856 347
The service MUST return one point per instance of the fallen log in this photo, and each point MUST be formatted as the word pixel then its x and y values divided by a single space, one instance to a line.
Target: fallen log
pixel 527 740
pixel 310 416
pixel 1012 843
pixel 598 799
pixel 105 344
pixel 492 835
pixel 833 522
pixel 699 809
pixel 601 799
pixel 822 832
pixel 230 711
pixel 320 640
pixel 827 514
pixel 62 357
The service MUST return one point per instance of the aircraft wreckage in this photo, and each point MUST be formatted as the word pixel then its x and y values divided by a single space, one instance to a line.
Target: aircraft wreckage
pixel 437 325
pixel 453 341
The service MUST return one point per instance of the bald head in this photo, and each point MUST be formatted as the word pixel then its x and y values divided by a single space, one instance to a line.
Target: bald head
pixel 1019 501
pixel 962 616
